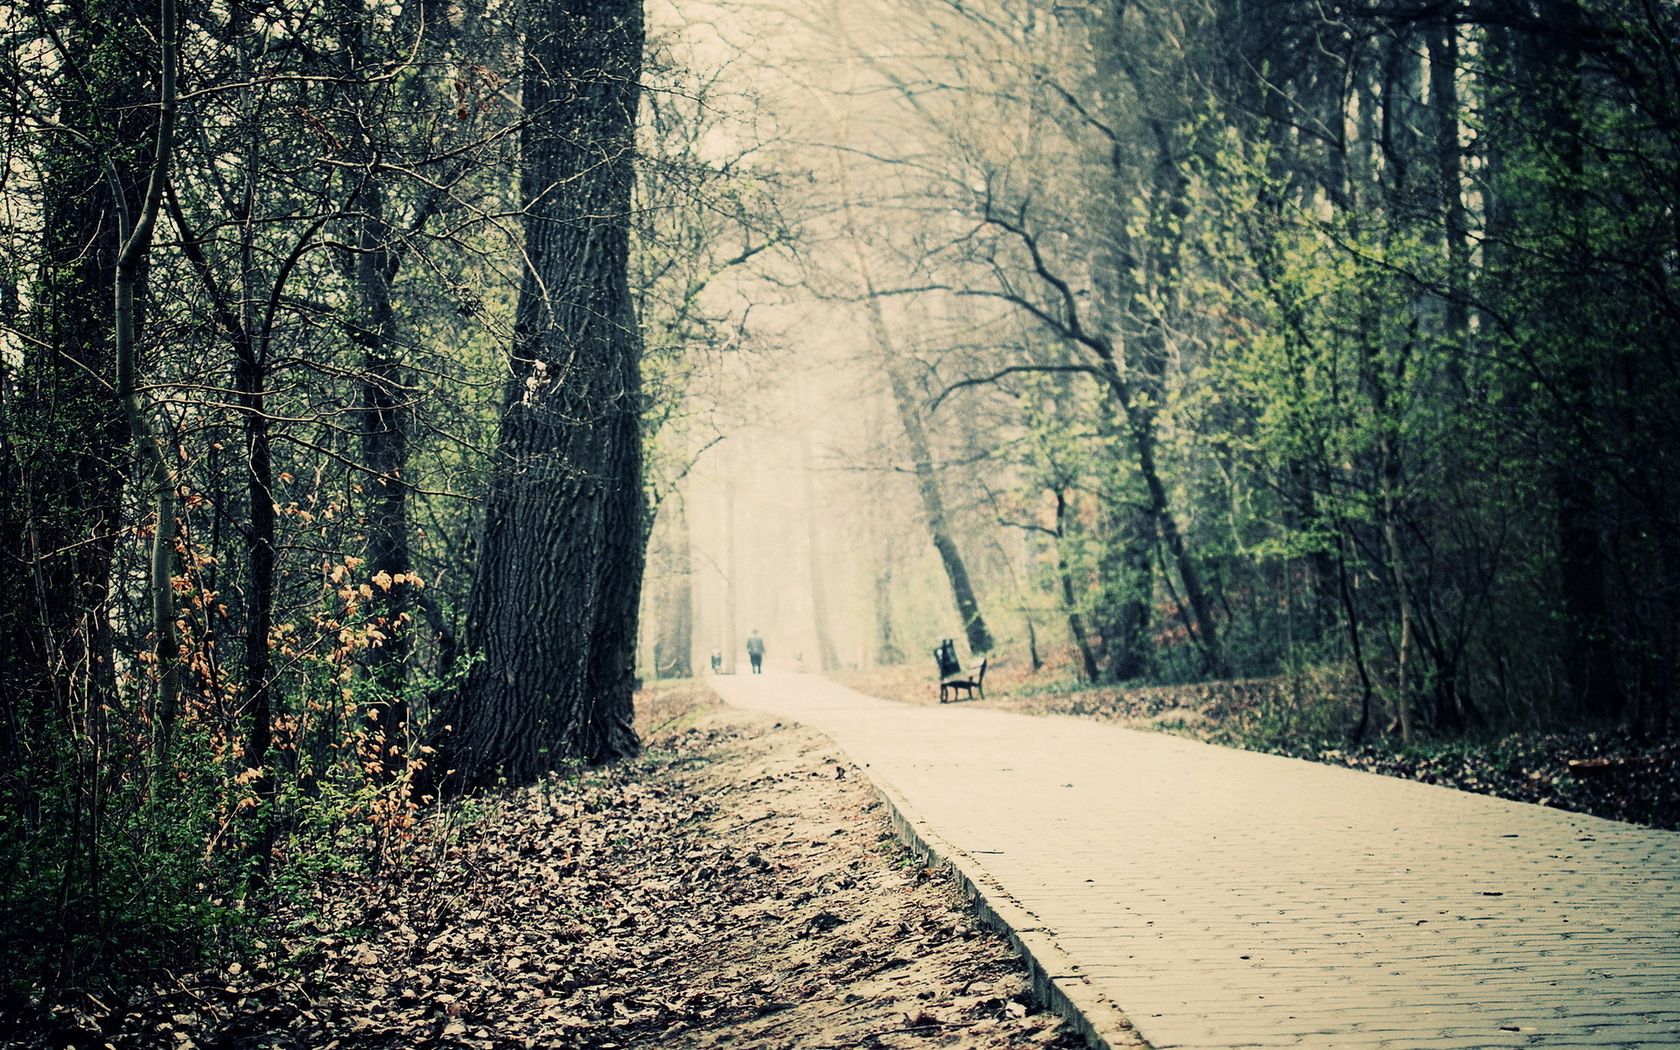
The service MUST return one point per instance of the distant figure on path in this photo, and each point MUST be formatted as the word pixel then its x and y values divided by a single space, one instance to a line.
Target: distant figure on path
pixel 717 661
pixel 755 652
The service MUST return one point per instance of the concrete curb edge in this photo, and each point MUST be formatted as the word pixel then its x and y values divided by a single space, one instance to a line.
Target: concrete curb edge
pixel 1055 978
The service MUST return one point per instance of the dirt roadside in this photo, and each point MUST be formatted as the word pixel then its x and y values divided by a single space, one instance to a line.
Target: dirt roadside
pixel 736 886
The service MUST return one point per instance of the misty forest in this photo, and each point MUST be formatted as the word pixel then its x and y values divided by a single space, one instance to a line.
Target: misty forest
pixel 407 408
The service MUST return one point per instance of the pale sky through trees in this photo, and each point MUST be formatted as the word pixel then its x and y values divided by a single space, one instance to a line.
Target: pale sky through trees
pixel 805 393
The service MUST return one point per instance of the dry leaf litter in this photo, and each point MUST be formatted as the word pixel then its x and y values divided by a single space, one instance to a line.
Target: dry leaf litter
pixel 736 886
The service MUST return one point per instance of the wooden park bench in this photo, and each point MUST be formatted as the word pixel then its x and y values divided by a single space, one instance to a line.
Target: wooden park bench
pixel 951 677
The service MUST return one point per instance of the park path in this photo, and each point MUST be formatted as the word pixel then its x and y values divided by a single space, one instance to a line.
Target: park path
pixel 1224 898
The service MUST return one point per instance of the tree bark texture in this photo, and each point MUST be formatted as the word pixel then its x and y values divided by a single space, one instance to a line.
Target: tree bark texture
pixel 551 616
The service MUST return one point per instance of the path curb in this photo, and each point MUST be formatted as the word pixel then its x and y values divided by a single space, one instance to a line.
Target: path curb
pixel 1055 977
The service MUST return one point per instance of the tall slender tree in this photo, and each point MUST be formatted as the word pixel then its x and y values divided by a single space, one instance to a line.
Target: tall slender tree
pixel 64 452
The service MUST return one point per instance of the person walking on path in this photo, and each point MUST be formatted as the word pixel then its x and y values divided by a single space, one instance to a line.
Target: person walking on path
pixel 755 652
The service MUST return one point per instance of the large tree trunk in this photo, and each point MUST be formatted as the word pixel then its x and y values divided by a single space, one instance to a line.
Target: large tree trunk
pixel 552 611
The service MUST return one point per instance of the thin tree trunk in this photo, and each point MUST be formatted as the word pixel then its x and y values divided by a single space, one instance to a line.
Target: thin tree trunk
pixel 131 263
pixel 249 376
pixel 1142 424
pixel 1131 567
pixel 1144 275
pixel 1455 235
pixel 1350 612
pixel 250 381
pixel 883 562
pixel 386 414
pixel 1070 598
pixel 1402 587
pixel 384 450
pixel 674 629
pixel 383 417
pixel 1128 568
pixel 1386 362
pixel 826 654
pixel 887 651
pixel 57 684
pixel 927 481
pixel 1589 654
pixel 909 413
pixel 64 450
pixel 731 563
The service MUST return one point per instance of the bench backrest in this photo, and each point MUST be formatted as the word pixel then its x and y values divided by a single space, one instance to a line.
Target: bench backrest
pixel 946 656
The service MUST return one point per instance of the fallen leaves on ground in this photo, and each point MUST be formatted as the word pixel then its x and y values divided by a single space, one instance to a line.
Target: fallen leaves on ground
pixel 730 888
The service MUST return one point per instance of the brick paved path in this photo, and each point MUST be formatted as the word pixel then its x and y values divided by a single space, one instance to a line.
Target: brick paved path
pixel 1224 898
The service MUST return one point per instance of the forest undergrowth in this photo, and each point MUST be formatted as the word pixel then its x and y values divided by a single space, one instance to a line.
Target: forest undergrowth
pixel 1617 773
pixel 736 884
